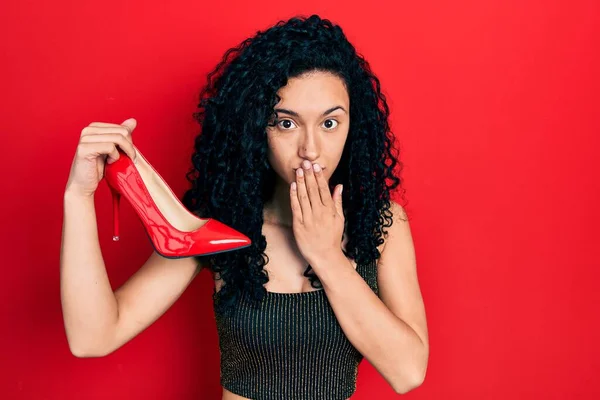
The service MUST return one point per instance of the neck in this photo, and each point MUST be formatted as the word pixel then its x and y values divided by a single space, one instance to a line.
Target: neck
pixel 278 210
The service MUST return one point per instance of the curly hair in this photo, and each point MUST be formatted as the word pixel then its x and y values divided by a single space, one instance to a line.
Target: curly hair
pixel 231 178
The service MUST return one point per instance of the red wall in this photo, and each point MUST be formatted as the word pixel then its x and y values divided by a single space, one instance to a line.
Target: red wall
pixel 496 107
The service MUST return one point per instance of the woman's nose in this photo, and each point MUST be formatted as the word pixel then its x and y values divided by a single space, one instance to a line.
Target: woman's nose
pixel 309 147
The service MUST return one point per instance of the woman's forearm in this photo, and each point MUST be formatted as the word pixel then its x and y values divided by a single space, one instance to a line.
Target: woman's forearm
pixel 389 344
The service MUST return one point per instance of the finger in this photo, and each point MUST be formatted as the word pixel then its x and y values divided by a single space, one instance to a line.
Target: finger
pixel 311 185
pixel 303 194
pixel 322 185
pixel 116 138
pixel 129 124
pixel 105 130
pixel 296 208
pixel 94 150
pixel 126 128
pixel 337 200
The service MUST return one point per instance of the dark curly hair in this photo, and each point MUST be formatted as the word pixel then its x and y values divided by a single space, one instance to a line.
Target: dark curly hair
pixel 231 178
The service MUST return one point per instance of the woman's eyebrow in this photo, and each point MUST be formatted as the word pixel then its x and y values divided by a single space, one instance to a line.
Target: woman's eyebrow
pixel 295 114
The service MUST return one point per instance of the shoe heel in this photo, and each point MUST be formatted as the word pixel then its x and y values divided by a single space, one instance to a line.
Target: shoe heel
pixel 116 200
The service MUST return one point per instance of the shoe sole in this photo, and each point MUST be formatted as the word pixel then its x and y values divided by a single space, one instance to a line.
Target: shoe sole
pixel 193 255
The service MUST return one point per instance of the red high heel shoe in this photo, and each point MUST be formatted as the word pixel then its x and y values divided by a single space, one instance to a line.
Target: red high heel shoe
pixel 173 231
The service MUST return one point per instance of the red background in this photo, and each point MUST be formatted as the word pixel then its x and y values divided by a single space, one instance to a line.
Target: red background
pixel 495 104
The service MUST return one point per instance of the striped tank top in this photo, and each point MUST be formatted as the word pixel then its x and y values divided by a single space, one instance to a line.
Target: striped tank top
pixel 292 347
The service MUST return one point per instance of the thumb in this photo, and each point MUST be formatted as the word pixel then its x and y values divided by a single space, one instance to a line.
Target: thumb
pixel 338 199
pixel 130 124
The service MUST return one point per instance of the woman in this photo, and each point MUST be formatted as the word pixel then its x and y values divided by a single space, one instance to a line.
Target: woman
pixel 296 153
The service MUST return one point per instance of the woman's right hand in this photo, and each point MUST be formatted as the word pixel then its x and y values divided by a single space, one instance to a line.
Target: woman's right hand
pixel 98 145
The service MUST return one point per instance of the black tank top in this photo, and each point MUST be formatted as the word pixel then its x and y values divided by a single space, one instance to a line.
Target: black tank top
pixel 292 347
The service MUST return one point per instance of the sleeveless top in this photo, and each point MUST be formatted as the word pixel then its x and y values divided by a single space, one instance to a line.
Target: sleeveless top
pixel 291 347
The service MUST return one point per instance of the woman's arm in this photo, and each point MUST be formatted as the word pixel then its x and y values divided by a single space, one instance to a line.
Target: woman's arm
pixel 98 320
pixel 390 330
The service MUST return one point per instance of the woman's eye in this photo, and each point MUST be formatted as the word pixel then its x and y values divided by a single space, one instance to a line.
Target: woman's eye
pixel 331 120
pixel 327 124
pixel 285 121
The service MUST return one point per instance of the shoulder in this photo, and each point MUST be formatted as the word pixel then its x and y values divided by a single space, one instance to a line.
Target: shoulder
pixel 398 211
pixel 399 223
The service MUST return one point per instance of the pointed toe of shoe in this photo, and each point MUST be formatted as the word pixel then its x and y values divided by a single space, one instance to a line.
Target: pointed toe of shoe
pixel 222 237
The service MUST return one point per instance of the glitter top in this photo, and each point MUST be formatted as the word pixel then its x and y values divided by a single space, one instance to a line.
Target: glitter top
pixel 292 347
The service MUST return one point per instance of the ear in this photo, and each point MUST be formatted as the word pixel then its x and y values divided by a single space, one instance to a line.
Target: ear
pixel 337 200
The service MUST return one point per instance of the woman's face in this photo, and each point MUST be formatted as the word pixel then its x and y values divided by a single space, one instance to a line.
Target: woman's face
pixel 313 123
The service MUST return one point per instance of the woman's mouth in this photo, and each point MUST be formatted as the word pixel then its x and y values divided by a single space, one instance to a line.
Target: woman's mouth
pixel 322 168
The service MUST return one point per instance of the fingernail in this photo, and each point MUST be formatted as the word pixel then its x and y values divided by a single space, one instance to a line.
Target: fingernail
pixel 317 168
pixel 306 164
pixel 299 172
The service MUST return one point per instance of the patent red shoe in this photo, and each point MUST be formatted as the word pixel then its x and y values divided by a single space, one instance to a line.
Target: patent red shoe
pixel 173 231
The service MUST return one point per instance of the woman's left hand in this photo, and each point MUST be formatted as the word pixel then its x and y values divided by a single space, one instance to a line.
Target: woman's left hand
pixel 318 218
